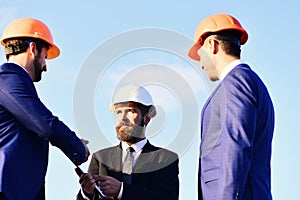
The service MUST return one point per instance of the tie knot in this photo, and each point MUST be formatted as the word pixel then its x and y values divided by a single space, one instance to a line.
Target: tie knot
pixel 130 149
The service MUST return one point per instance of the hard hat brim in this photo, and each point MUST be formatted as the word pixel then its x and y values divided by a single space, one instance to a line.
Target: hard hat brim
pixel 152 110
pixel 53 50
pixel 193 52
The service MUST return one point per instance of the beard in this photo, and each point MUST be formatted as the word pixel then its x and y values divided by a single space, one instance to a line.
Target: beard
pixel 128 132
pixel 38 69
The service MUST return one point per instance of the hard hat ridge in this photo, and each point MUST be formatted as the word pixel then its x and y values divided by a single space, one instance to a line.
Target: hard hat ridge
pixel 134 93
pixel 30 28
pixel 215 24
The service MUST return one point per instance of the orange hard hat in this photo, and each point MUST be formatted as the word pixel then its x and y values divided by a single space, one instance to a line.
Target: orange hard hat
pixel 213 24
pixel 30 28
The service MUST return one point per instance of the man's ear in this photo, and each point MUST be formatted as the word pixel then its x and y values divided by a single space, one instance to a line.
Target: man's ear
pixel 147 119
pixel 213 45
pixel 32 49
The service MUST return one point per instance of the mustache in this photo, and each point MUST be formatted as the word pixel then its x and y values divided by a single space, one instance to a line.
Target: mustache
pixel 124 124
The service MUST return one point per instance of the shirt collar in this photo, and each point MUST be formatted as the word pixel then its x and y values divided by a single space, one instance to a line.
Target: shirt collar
pixel 229 67
pixel 137 146
pixel 18 65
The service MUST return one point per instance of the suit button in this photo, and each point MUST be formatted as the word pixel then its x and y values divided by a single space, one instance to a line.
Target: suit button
pixel 237 195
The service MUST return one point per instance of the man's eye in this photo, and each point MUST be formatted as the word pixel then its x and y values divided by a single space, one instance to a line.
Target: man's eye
pixel 132 111
pixel 118 112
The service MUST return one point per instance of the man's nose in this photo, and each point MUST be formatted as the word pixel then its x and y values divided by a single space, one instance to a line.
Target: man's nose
pixel 124 117
pixel 45 68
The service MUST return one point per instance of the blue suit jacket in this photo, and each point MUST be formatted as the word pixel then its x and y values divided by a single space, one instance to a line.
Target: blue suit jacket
pixel 237 129
pixel 26 127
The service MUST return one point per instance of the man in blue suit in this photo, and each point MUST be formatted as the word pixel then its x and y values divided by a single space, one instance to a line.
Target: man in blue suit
pixel 26 125
pixel 237 120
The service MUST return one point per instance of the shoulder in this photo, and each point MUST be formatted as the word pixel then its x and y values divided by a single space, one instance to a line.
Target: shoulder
pixel 161 153
pixel 243 79
pixel 155 158
pixel 107 151
pixel 12 68
pixel 13 74
pixel 242 73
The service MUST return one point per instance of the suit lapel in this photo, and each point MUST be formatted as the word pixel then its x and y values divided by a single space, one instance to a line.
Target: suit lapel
pixel 115 158
pixel 205 106
pixel 211 133
pixel 144 163
pixel 245 66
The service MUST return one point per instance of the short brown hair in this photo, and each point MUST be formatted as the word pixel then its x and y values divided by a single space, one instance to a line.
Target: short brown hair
pixel 20 45
pixel 144 109
pixel 230 42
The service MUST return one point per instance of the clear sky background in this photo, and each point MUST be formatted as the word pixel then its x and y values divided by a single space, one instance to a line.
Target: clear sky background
pixel 108 43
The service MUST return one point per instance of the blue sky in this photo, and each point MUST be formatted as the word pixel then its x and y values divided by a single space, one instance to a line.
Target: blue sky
pixel 132 34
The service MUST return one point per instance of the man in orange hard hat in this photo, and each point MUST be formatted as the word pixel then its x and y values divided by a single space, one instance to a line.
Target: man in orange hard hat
pixel 26 125
pixel 237 120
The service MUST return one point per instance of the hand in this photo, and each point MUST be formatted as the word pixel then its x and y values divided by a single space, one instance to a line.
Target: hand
pixel 87 183
pixel 109 185
pixel 87 152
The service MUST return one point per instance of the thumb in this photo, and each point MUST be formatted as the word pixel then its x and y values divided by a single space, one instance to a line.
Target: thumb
pixel 99 177
pixel 84 141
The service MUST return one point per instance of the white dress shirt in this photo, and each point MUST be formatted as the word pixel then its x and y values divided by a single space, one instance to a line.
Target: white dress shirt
pixel 19 66
pixel 229 67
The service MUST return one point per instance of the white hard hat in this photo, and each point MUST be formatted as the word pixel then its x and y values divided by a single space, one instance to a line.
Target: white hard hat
pixel 133 93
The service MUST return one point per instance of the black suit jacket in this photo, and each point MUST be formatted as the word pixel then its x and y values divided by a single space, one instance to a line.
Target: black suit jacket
pixel 155 174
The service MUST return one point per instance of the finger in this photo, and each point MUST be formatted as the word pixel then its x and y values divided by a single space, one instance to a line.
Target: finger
pixel 87 182
pixel 86 178
pixel 83 177
pixel 104 188
pixel 85 141
pixel 100 178
pixel 102 183
pixel 89 188
pixel 88 185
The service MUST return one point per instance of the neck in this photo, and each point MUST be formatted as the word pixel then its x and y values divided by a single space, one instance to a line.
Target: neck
pixel 223 62
pixel 134 140
pixel 20 59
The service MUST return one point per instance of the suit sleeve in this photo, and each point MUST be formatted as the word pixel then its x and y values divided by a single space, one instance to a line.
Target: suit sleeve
pixel 238 122
pixel 19 97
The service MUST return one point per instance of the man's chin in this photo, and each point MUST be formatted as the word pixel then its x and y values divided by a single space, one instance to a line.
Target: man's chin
pixel 126 137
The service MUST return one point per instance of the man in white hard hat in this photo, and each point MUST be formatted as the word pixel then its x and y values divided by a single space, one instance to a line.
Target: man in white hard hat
pixel 152 172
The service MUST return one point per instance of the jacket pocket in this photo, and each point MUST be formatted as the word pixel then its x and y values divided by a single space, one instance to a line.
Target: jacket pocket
pixel 210 174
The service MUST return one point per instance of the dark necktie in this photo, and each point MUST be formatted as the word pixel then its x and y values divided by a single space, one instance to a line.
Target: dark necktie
pixel 128 165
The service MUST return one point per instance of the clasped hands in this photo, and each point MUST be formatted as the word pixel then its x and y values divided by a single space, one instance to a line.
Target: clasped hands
pixel 109 185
